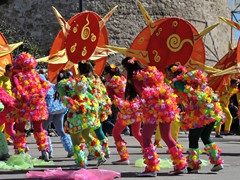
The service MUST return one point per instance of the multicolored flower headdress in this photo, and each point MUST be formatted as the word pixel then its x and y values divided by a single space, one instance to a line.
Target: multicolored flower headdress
pixel 24 61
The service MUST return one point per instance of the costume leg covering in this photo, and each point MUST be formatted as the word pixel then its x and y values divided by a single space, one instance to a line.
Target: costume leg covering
pixel 122 150
pixel 214 153
pixel 179 161
pixel 42 140
pixel 20 143
pixel 67 143
pixel 105 147
pixel 193 158
pixel 151 160
pixel 80 155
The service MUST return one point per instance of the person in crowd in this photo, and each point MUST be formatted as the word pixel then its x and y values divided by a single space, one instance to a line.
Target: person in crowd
pixel 202 112
pixel 29 91
pixel 127 115
pixel 81 118
pixel 158 103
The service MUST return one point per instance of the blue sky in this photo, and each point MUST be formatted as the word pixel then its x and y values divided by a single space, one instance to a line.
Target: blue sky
pixel 237 32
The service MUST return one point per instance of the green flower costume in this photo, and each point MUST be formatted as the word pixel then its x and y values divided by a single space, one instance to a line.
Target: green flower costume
pixel 83 106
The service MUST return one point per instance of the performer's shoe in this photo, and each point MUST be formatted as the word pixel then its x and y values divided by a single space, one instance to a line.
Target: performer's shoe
pixel 217 167
pixel 101 161
pixel 147 174
pixel 4 157
pixel 9 142
pixel 190 170
pixel 50 154
pixel 45 156
pixel 158 145
pixel 121 162
pixel 70 154
pixel 218 136
pixel 183 171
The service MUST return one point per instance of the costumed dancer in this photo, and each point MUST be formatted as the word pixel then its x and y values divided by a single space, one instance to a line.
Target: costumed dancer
pixel 128 115
pixel 82 117
pixel 29 91
pixel 6 105
pixel 97 88
pixel 5 83
pixel 56 112
pixel 176 124
pixel 225 94
pixel 159 108
pixel 202 111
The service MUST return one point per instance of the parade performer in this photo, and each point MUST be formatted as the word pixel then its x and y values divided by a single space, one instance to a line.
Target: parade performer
pixel 82 117
pixel 128 115
pixel 5 83
pixel 29 91
pixel 159 108
pixel 56 112
pixel 202 111
pixel 97 88
pixel 6 105
pixel 225 94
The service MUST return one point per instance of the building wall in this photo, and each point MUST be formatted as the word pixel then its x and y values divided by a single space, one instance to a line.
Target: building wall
pixel 35 18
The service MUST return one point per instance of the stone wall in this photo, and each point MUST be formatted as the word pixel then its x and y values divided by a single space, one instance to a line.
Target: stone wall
pixel 35 18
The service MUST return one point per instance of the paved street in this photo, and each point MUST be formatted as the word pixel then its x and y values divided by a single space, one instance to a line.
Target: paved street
pixel 230 146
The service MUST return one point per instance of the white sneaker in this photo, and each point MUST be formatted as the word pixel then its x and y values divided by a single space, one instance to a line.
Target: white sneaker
pixel 217 167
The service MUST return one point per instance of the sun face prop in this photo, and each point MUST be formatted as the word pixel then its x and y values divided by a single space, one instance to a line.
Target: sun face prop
pixel 81 38
pixel 166 41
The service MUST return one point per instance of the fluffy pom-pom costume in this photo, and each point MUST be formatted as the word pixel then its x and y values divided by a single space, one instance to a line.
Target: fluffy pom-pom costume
pixel 29 90
pixel 201 103
pixel 159 101
pixel 83 106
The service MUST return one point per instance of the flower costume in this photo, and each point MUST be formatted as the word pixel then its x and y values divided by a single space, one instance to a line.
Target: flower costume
pixel 83 114
pixel 6 105
pixel 29 91
pixel 97 88
pixel 129 115
pixel 200 102
pixel 159 108
pixel 158 98
pixel 202 111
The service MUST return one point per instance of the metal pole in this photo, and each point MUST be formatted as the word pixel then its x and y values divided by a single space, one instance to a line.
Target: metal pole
pixel 81 5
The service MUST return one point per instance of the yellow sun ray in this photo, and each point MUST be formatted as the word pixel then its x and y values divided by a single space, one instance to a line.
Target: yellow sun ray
pixel 205 31
pixel 106 17
pixel 64 25
pixel 147 18
pixel 131 52
pixel 6 49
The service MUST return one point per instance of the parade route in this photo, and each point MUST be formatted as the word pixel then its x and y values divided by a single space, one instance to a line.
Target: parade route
pixel 230 146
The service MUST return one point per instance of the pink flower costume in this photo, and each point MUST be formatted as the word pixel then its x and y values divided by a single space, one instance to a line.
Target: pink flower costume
pixel 29 91
pixel 202 110
pixel 6 106
pixel 159 107
pixel 129 115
